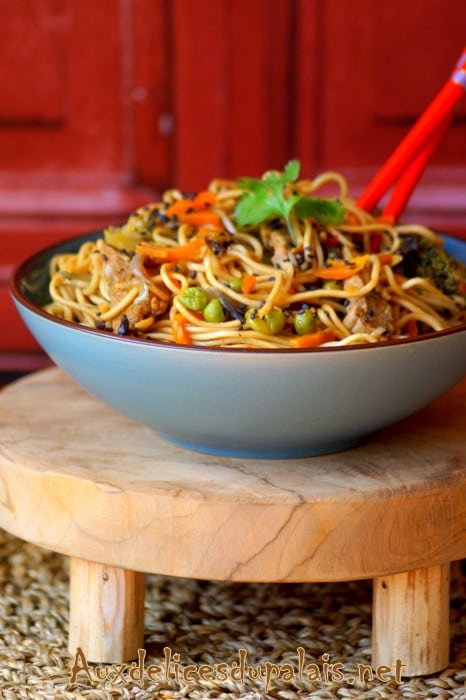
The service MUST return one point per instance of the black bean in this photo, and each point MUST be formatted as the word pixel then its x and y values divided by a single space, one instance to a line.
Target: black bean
pixel 124 325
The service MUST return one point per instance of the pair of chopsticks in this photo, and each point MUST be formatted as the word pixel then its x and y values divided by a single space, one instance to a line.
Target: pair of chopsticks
pixel 412 155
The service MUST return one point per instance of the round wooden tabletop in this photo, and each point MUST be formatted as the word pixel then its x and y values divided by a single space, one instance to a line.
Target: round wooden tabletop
pixel 80 479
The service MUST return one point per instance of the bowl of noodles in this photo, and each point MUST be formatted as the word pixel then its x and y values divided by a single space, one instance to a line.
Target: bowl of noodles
pixel 263 317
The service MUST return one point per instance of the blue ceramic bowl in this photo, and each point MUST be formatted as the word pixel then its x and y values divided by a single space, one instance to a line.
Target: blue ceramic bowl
pixel 246 403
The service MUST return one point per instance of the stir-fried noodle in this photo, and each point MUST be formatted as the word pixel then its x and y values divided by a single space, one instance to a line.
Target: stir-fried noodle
pixel 314 271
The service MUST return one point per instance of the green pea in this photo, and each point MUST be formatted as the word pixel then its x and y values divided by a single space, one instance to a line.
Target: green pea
pixel 235 284
pixel 256 323
pixel 194 298
pixel 275 320
pixel 271 324
pixel 214 312
pixel 305 322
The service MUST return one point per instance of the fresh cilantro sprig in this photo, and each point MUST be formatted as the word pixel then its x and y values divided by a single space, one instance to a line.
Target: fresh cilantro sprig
pixel 265 198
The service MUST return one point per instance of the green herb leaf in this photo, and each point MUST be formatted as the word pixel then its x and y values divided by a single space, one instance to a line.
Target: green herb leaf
pixel 265 198
pixel 326 211
pixel 263 203
pixel 290 174
pixel 253 208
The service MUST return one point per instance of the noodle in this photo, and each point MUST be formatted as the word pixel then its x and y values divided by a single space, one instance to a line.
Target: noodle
pixel 183 270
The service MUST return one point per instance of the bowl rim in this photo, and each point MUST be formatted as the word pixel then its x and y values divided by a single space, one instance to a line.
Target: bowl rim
pixel 14 286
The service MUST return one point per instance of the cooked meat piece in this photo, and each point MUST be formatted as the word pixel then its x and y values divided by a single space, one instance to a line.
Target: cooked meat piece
pixel 122 275
pixel 278 241
pixel 369 313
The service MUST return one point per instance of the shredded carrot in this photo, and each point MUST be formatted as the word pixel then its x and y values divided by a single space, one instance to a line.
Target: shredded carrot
pixel 313 340
pixel 179 330
pixel 339 270
pixel 204 199
pixel 385 258
pixel 248 283
pixel 411 328
pixel 186 205
pixel 201 218
pixel 179 207
pixel 208 230
pixel 191 250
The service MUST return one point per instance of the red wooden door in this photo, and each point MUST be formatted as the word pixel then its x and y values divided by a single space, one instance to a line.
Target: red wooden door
pixel 83 137
pixel 337 82
pixel 104 104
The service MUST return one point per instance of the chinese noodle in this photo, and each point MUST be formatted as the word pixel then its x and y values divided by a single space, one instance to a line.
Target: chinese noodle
pixel 183 270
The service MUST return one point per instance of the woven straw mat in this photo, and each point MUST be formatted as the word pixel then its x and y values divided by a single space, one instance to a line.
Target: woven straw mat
pixel 207 624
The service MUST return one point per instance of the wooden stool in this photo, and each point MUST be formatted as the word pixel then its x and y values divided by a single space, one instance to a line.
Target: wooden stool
pixel 82 480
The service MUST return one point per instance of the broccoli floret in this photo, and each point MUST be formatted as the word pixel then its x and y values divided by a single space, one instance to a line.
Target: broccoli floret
pixel 421 258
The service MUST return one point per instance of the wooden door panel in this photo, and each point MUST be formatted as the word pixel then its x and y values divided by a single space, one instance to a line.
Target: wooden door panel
pixel 383 66
pixel 77 85
pixel 149 130
pixel 429 38
pixel 33 55
pixel 233 69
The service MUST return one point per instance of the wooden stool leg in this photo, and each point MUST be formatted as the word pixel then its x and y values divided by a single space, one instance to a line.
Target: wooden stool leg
pixel 106 611
pixel 411 620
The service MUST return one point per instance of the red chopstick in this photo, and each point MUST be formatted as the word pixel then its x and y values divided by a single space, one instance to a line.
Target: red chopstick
pixel 428 126
pixel 405 186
